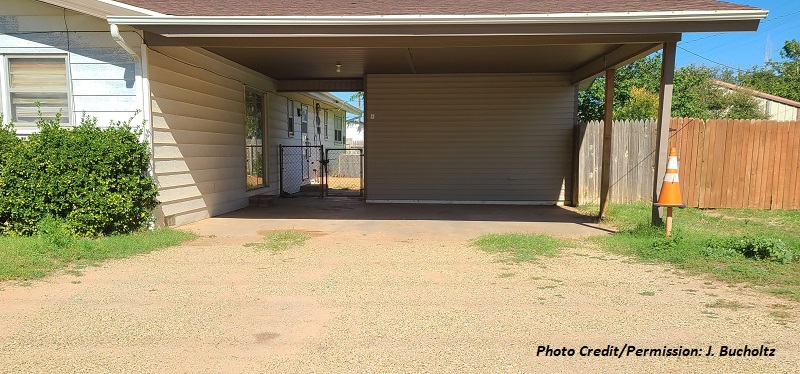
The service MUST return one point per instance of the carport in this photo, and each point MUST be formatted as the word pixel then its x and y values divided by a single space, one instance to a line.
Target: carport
pixel 466 102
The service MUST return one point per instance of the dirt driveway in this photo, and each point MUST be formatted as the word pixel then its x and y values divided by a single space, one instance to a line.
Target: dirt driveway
pixel 387 289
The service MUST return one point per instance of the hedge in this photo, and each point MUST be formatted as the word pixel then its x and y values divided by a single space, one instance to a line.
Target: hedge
pixel 95 181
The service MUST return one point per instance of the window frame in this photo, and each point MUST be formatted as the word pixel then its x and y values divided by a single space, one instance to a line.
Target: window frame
pixel 5 88
pixel 340 130
pixel 290 118
pixel 264 139
pixel 304 119
pixel 325 115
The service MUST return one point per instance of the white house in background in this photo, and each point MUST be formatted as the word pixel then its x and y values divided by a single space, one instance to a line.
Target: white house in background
pixel 776 107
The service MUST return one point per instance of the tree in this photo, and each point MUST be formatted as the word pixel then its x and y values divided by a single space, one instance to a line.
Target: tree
pixel 780 78
pixel 636 94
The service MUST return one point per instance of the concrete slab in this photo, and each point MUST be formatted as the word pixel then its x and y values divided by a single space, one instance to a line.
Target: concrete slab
pixel 399 220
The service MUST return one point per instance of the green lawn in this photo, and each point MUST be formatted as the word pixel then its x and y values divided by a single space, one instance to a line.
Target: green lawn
pixel 35 257
pixel 757 247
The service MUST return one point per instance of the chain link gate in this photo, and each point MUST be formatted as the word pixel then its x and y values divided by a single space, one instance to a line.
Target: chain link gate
pixel 302 170
pixel 344 172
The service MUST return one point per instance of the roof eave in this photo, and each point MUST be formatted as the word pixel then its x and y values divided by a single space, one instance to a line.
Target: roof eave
pixel 408 20
pixel 103 8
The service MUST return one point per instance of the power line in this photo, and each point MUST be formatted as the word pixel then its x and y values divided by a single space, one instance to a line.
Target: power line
pixel 710 60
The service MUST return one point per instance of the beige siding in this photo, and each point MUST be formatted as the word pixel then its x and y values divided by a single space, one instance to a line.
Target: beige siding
pixel 778 111
pixel 469 138
pixel 198 132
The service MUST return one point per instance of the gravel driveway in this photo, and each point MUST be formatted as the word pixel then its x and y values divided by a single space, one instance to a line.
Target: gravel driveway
pixel 386 295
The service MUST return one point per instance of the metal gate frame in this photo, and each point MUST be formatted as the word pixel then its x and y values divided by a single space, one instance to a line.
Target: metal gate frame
pixel 327 164
pixel 305 153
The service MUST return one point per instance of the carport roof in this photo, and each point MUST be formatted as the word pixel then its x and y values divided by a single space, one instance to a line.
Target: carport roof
pixel 305 40
pixel 421 7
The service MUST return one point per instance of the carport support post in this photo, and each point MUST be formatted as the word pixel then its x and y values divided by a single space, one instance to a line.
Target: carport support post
pixel 608 122
pixel 664 117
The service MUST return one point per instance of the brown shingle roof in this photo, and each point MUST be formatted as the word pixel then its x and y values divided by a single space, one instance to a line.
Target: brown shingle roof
pixel 420 7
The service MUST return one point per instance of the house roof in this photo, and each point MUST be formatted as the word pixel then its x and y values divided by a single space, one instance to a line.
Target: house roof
pixel 421 7
pixel 756 93
pixel 301 40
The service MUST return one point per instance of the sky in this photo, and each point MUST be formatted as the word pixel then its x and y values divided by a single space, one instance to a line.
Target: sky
pixel 743 50
pixel 736 50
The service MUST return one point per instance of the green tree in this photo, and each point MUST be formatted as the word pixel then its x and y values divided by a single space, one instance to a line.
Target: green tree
pixel 780 78
pixel 695 95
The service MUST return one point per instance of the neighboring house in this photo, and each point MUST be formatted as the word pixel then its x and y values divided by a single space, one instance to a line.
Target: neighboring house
pixel 776 107
pixel 466 102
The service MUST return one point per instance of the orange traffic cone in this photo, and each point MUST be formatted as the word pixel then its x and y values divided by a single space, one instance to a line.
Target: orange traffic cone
pixel 670 195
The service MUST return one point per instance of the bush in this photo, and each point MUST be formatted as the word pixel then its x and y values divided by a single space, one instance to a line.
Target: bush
pixel 754 247
pixel 92 180
pixel 8 139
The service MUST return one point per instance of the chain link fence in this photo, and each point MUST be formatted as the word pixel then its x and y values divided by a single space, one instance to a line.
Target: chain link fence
pixel 345 172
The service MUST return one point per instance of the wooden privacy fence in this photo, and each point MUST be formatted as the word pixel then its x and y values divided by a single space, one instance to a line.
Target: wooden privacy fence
pixel 723 163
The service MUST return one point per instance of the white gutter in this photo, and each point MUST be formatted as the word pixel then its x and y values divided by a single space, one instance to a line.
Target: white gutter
pixel 118 38
pixel 333 99
pixel 102 8
pixel 555 18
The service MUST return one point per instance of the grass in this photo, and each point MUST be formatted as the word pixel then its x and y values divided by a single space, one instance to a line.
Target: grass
pixel 520 247
pixel 25 258
pixel 281 240
pixel 725 304
pixel 714 242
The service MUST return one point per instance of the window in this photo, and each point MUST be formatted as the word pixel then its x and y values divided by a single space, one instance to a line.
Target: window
pixel 304 119
pixel 254 141
pixel 325 115
pixel 31 80
pixel 337 129
pixel 290 118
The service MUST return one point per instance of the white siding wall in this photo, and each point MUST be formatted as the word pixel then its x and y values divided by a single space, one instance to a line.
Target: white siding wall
pixel 198 132
pixel 104 83
pixel 778 111
pixel 469 138
pixel 279 132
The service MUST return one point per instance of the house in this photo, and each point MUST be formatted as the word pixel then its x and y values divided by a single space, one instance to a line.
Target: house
pixel 492 85
pixel 776 107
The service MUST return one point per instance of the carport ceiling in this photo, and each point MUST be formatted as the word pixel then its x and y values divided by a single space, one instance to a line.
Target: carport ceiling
pixel 309 58
pixel 308 63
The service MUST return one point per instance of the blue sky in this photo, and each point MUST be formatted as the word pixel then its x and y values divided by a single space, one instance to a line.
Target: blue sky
pixel 738 50
pixel 743 50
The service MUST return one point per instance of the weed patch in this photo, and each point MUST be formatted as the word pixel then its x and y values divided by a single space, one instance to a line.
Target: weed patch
pixel 520 247
pixel 281 240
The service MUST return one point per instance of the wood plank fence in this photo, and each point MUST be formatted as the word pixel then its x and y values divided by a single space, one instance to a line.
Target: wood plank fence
pixel 723 163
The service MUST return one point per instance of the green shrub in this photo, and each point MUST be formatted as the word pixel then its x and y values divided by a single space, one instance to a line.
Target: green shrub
pixel 754 247
pixel 93 181
pixel 8 139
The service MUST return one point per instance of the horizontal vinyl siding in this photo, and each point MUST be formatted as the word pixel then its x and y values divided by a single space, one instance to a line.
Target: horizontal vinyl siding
pixel 198 132
pixel 278 125
pixel 103 75
pixel 504 138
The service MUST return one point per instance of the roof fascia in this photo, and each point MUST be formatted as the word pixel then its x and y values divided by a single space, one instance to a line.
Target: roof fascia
pixel 335 101
pixel 558 18
pixel 103 8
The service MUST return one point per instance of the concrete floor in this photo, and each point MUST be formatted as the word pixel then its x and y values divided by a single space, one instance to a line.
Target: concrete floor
pixel 399 220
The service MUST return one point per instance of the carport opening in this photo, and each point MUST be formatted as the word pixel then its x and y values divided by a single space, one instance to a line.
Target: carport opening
pixel 321 152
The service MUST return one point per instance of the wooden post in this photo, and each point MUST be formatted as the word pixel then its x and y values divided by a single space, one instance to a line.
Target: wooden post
pixel 608 121
pixel 669 222
pixel 664 117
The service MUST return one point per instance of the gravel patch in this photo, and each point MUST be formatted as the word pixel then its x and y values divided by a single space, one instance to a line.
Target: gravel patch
pixel 370 301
